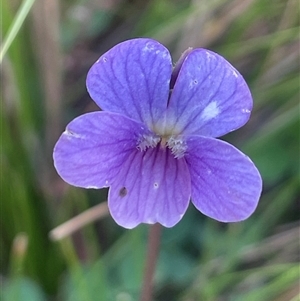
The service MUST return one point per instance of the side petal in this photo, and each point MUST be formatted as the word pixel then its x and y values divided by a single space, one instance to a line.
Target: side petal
pixel 132 79
pixel 226 185
pixel 153 187
pixel 210 97
pixel 93 148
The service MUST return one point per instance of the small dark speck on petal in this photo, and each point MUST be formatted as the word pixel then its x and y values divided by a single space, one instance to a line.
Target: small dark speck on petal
pixel 123 192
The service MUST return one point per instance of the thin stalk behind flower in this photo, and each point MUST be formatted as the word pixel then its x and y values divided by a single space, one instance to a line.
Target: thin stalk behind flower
pixel 152 257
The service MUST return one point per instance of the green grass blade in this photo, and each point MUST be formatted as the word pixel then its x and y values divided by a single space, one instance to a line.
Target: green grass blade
pixel 15 27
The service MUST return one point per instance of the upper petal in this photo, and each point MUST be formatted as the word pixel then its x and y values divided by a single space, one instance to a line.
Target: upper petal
pixel 210 97
pixel 93 148
pixel 226 185
pixel 152 187
pixel 133 79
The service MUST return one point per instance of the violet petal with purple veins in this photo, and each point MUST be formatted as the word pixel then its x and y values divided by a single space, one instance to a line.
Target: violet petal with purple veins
pixel 155 145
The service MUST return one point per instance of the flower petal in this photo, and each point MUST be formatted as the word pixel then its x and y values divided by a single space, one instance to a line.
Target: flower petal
pixel 152 187
pixel 226 185
pixel 93 148
pixel 133 79
pixel 210 97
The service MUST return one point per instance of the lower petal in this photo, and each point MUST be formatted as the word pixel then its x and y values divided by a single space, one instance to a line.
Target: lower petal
pixel 152 187
pixel 226 185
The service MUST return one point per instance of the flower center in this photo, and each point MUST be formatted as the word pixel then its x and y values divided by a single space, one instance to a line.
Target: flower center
pixel 175 143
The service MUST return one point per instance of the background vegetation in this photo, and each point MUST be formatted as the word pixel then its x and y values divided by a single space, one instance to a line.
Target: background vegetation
pixel 43 88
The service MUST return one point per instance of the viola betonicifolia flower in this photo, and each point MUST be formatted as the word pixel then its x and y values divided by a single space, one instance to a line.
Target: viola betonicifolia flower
pixel 154 144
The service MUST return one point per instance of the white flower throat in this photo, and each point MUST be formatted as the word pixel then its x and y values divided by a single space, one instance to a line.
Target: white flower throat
pixel 175 143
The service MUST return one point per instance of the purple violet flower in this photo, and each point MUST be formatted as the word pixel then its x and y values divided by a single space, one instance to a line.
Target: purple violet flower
pixel 154 144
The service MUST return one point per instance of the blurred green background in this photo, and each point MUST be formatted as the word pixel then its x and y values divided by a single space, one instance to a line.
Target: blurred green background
pixel 43 88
